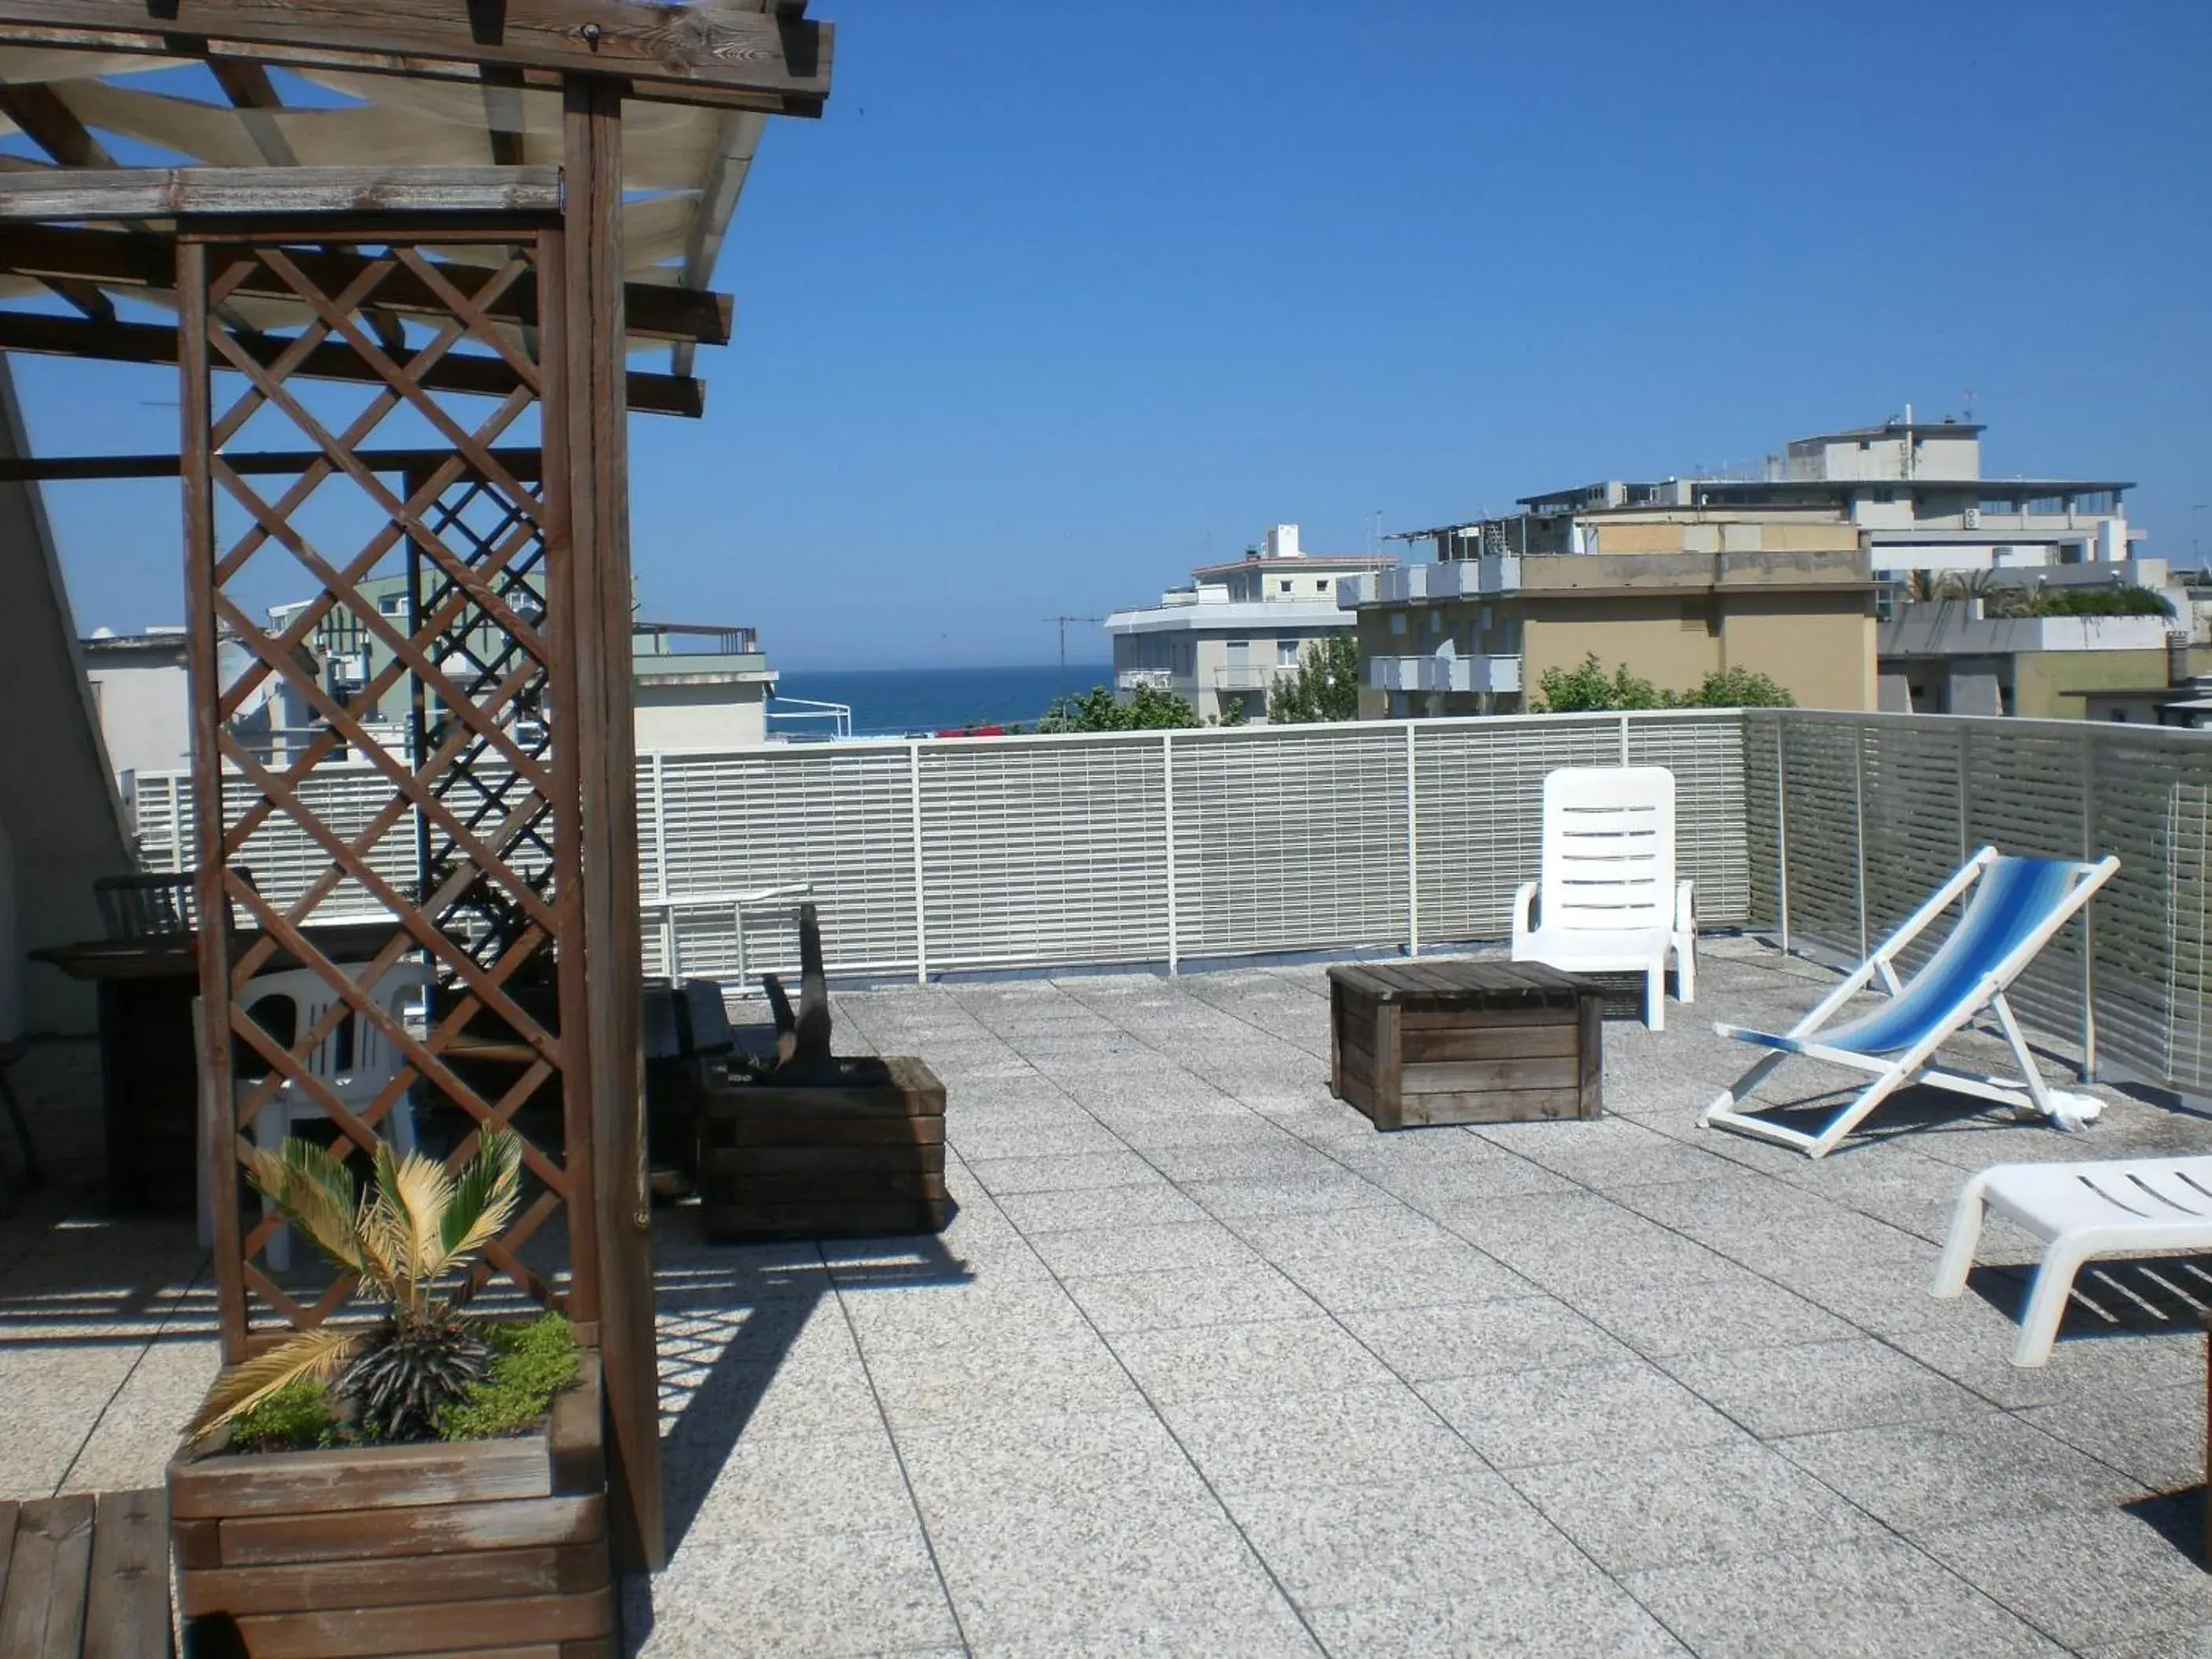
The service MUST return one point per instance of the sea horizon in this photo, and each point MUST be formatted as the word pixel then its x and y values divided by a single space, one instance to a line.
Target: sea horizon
pixel 905 701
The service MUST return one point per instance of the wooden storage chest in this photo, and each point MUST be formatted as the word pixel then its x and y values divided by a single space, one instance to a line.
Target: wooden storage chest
pixel 859 1152
pixel 1416 1043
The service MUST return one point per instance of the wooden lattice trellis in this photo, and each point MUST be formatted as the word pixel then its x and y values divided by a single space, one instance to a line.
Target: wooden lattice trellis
pixel 482 652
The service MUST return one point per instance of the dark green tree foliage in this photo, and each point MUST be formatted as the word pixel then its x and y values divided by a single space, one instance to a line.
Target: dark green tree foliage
pixel 2100 602
pixel 1589 689
pixel 1096 710
pixel 1739 688
pixel 1324 686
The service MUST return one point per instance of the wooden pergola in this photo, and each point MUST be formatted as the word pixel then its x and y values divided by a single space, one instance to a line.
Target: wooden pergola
pixel 431 203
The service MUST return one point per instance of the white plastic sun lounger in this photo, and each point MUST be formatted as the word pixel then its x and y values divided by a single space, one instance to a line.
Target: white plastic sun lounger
pixel 2016 906
pixel 2079 1211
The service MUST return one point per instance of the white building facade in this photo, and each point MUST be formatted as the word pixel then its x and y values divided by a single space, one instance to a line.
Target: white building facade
pixel 1222 642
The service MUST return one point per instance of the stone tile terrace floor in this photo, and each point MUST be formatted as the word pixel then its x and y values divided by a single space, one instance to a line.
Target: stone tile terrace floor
pixel 1206 1366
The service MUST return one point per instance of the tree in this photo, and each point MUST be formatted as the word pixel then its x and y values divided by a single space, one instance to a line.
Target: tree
pixel 1590 690
pixel 1324 686
pixel 1739 687
pixel 1095 710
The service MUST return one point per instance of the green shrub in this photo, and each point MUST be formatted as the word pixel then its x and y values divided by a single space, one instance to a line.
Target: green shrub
pixel 2100 602
pixel 531 1363
pixel 1739 687
pixel 298 1414
pixel 1149 709
pixel 1324 686
pixel 1590 690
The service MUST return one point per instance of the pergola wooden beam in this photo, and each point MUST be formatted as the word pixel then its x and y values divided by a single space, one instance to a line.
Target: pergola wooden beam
pixel 151 342
pixel 166 192
pixel 701 53
pixel 253 94
pixel 52 126
pixel 129 259
pixel 525 465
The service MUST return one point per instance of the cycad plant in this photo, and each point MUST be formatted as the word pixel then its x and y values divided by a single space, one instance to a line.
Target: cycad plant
pixel 412 1227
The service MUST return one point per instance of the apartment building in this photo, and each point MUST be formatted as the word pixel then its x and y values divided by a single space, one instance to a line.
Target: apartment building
pixel 1221 641
pixel 1805 567
pixel 695 687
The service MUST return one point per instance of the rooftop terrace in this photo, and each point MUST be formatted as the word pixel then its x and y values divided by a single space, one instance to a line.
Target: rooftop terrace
pixel 1206 1365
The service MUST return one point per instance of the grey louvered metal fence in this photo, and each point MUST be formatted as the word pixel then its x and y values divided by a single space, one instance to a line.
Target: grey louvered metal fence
pixel 1854 818
pixel 1143 847
pixel 1165 848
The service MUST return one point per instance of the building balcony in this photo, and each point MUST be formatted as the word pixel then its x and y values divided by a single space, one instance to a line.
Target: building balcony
pixel 1128 679
pixel 685 653
pixel 1458 579
pixel 1436 672
pixel 1247 676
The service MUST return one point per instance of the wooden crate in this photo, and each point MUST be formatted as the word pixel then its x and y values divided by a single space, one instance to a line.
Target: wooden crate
pixel 862 1153
pixel 490 1546
pixel 1416 1043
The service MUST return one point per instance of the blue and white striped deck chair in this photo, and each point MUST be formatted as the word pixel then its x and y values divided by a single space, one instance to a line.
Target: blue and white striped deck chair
pixel 2016 908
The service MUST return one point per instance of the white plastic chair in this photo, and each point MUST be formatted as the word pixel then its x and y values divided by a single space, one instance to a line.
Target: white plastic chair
pixel 2126 1207
pixel 1608 901
pixel 2014 907
pixel 355 1061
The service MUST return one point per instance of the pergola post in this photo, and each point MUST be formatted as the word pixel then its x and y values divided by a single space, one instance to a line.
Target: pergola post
pixel 603 742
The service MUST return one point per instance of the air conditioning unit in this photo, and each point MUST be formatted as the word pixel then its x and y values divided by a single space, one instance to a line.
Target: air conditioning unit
pixel 1973 518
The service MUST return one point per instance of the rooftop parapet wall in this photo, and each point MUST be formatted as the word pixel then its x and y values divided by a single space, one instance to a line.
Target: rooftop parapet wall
pixel 1611 572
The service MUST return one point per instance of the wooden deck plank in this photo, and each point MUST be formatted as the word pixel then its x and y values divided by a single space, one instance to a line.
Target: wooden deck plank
pixel 7 1545
pixel 127 1612
pixel 43 1616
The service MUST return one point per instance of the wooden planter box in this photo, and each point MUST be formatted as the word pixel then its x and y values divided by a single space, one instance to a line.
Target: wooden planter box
pixel 1465 1042
pixel 864 1153
pixel 484 1547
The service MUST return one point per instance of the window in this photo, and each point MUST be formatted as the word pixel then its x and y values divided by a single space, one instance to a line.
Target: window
pixel 1286 653
pixel 1321 587
pixel 1397 622
pixel 392 604
pixel 1286 585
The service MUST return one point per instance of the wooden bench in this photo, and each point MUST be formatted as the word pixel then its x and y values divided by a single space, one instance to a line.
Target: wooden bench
pixel 1421 1043
pixel 86 1577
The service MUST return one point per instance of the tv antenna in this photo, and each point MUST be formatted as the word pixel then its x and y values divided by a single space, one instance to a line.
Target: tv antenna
pixel 1063 620
pixel 1970 404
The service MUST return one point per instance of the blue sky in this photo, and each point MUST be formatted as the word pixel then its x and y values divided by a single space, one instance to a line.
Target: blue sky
pixel 1057 302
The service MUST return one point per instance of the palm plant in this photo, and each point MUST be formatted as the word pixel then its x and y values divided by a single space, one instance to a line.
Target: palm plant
pixel 413 1226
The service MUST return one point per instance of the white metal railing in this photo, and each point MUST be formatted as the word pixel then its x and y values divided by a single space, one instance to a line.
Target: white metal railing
pixel 1138 847
pixel 1167 847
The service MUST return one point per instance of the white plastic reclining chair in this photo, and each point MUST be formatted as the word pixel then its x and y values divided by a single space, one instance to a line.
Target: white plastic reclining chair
pixel 1607 902
pixel 2016 908
pixel 356 1062
pixel 2128 1206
